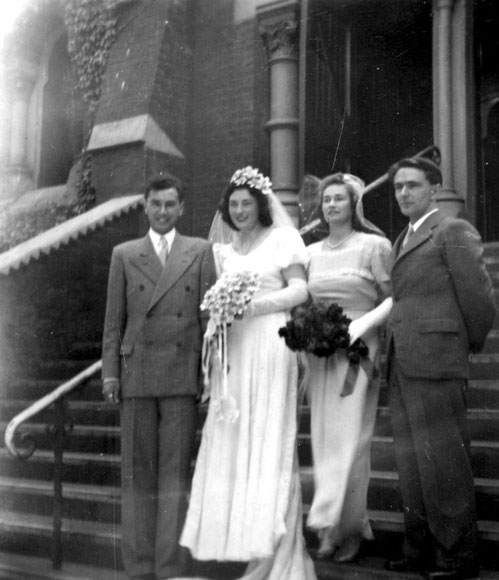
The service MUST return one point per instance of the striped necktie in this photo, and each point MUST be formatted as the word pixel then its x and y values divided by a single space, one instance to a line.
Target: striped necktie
pixel 163 252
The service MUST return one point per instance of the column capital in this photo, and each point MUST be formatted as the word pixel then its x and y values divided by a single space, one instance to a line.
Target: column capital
pixel 279 28
pixel 281 39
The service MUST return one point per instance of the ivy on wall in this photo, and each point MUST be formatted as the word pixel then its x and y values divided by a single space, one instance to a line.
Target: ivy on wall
pixel 92 27
pixel 92 30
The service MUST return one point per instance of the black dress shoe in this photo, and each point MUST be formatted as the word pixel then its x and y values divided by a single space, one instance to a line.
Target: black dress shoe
pixel 403 565
pixel 454 573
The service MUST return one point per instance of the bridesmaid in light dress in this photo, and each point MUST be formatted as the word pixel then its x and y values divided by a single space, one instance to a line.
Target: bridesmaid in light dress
pixel 349 267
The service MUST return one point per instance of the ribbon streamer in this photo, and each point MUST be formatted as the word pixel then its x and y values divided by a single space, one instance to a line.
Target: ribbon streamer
pixel 367 366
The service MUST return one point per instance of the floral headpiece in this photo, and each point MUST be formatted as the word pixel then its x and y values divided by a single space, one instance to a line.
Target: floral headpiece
pixel 251 177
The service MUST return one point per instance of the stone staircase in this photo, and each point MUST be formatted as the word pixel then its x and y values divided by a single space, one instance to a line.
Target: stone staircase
pixel 91 512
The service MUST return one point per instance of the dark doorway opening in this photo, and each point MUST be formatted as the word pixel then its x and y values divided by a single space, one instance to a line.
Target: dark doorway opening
pixel 56 154
pixel 487 75
pixel 368 92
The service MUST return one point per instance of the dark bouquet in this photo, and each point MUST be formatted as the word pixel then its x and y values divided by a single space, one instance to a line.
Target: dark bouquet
pixel 321 329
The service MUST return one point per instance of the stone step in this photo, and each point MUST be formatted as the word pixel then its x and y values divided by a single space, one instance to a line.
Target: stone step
pixel 483 422
pixel 484 366
pixel 52 373
pixel 28 567
pixel 492 343
pixel 101 447
pixel 94 543
pixel 79 467
pixel 483 391
pixel 367 567
pixel 101 502
pixel 86 542
pixel 80 501
pixel 82 412
pixel 34 389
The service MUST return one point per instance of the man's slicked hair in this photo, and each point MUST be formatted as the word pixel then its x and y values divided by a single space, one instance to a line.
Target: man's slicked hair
pixel 164 180
pixel 427 166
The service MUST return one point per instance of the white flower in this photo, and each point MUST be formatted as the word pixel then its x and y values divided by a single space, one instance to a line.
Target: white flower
pixel 251 177
pixel 230 296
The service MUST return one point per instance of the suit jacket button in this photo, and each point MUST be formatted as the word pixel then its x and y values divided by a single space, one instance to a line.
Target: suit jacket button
pixel 179 345
pixel 148 315
pixel 179 314
pixel 141 287
pixel 187 288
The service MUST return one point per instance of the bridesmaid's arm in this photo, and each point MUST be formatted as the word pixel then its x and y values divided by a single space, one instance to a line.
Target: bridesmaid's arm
pixel 372 319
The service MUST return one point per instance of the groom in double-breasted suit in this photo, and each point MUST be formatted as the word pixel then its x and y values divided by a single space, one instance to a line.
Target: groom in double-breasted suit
pixel 151 361
pixel 443 308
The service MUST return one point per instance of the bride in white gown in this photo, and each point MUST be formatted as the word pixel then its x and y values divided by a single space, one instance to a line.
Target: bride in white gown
pixel 246 498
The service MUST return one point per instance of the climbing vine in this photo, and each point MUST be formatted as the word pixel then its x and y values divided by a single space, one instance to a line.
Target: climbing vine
pixel 92 30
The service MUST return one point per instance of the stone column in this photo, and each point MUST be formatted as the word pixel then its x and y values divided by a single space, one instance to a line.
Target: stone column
pixel 18 175
pixel 448 200
pixel 279 30
pixel 464 121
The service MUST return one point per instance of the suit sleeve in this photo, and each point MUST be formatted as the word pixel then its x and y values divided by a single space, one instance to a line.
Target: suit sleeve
pixel 115 319
pixel 207 277
pixel 472 284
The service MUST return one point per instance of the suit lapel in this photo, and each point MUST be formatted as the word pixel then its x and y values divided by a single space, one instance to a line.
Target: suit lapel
pixel 421 235
pixel 179 259
pixel 147 261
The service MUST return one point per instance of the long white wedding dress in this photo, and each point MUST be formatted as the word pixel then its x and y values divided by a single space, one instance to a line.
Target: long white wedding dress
pixel 245 501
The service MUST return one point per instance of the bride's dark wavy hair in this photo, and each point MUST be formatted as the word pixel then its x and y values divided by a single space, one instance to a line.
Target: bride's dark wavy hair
pixel 264 214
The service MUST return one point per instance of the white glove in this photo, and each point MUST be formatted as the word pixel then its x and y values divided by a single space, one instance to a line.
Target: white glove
pixel 293 294
pixel 372 319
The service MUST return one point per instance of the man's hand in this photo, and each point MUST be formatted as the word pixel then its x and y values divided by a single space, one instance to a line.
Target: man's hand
pixel 111 391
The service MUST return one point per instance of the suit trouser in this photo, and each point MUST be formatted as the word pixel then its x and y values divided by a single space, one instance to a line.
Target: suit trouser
pixel 157 440
pixel 432 451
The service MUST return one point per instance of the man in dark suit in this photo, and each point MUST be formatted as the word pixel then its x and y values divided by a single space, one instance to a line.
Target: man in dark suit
pixel 443 308
pixel 151 359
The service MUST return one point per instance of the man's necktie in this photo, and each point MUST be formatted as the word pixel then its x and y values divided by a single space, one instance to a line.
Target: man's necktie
pixel 163 252
pixel 408 235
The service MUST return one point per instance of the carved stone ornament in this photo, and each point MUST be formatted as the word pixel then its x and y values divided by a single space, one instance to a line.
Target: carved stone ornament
pixel 281 38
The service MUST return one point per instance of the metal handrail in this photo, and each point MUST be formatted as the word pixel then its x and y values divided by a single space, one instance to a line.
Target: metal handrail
pixel 11 437
pixel 58 431
pixel 431 150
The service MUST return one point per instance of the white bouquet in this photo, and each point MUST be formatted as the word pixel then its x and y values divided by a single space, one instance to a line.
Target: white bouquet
pixel 230 296
pixel 225 301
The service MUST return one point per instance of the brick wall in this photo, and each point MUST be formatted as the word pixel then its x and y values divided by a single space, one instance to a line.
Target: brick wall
pixel 128 81
pixel 148 72
pixel 228 106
